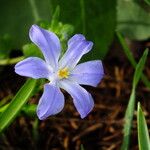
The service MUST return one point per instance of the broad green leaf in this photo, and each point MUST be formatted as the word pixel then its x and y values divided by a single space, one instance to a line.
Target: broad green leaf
pixel 131 105
pixel 17 16
pixel 100 26
pixel 82 7
pixel 130 57
pixel 5 46
pixel 31 50
pixel 100 21
pixel 143 135
pixel 16 104
pixel 133 20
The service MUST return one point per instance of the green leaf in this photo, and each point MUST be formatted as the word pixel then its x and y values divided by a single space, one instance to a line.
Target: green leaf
pixel 147 1
pixel 139 68
pixel 31 50
pixel 128 121
pixel 82 148
pixel 10 61
pixel 5 100
pixel 55 18
pixel 5 46
pixel 131 105
pixel 130 57
pixel 101 25
pixel 126 49
pixel 82 6
pixel 17 16
pixel 16 104
pixel 29 109
pixel 3 108
pixel 133 20
pixel 143 135
pixel 100 21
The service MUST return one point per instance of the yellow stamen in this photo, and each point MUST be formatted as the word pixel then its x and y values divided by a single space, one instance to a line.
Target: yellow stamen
pixel 63 73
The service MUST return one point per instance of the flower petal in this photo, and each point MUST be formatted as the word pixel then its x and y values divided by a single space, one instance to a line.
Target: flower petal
pixel 51 102
pixel 88 73
pixel 76 38
pixel 83 100
pixel 33 67
pixel 48 42
pixel 77 47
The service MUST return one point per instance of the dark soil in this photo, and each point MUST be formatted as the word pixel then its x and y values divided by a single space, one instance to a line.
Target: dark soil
pixel 101 130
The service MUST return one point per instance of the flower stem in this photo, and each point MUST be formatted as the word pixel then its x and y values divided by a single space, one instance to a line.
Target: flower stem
pixel 10 61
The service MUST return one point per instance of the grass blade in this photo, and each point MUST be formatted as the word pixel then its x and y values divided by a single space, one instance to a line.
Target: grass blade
pixel 55 18
pixel 130 57
pixel 34 10
pixel 16 104
pixel 131 105
pixel 82 148
pixel 139 68
pixel 128 121
pixel 143 135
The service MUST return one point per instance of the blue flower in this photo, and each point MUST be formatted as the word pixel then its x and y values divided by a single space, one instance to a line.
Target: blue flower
pixel 63 72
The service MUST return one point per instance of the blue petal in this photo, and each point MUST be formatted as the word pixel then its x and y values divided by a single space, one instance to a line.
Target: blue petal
pixel 76 38
pixel 33 67
pixel 77 47
pixel 88 73
pixel 83 100
pixel 48 42
pixel 51 102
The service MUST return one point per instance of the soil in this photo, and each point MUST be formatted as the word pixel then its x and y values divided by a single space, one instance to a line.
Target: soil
pixel 101 130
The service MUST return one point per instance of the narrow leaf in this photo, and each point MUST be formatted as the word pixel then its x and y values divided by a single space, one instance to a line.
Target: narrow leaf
pixel 139 68
pixel 82 148
pixel 131 105
pixel 128 121
pixel 143 135
pixel 16 104
pixel 130 57
pixel 29 109
pixel 126 49
pixel 55 18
